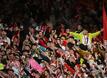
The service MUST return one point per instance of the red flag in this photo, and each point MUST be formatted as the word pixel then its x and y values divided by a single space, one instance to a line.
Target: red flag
pixel 104 24
pixel 72 71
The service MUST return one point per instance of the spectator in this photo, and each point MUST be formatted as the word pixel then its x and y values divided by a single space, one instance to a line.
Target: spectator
pixel 85 37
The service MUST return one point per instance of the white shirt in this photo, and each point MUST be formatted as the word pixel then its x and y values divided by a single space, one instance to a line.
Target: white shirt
pixel 86 41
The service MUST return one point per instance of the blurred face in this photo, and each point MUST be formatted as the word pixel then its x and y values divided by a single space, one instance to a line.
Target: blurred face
pixel 67 30
pixel 71 40
pixel 16 28
pixel 62 26
pixel 3 33
pixel 51 45
pixel 55 36
pixel 26 48
pixel 8 51
pixel 46 73
pixel 53 32
pixel 15 40
pixel 85 32
pixel 72 59
pixel 61 42
pixel 40 34
pixel 58 41
pixel 62 38
pixel 10 29
pixel 31 29
pixel 79 27
pixel 71 51
pixel 35 75
pixel 25 53
pixel 27 37
pixel 34 47
pixel 11 57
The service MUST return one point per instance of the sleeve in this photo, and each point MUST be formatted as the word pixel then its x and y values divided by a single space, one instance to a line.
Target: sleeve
pixel 95 34
pixel 75 34
pixel 72 71
pixel 43 44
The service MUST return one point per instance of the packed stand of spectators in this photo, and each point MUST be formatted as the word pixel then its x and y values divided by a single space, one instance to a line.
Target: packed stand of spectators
pixel 47 52
pixel 33 45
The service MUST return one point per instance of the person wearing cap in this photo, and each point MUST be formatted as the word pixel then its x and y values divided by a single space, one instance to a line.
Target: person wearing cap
pixel 85 37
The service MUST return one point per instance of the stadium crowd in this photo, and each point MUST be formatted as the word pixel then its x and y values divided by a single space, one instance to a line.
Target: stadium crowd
pixel 47 52
pixel 59 41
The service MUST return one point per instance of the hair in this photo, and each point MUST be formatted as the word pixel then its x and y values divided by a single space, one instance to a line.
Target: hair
pixel 70 45
pixel 83 47
pixel 34 71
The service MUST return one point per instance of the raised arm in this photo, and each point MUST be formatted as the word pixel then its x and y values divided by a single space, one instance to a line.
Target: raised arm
pixel 95 34
pixel 75 34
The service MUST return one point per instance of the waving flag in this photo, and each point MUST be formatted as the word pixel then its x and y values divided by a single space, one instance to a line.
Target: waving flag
pixel 104 23
pixel 34 65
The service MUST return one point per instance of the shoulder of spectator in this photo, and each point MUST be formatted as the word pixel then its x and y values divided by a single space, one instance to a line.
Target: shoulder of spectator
pixel 74 33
